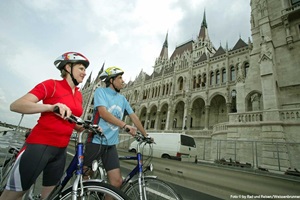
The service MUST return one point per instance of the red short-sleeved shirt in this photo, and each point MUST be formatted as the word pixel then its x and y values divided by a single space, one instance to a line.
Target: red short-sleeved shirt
pixel 51 129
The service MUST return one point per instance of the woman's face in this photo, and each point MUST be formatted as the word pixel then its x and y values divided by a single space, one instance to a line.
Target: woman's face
pixel 78 72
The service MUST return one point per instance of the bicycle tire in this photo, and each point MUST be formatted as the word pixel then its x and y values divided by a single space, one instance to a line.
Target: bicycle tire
pixel 155 189
pixel 94 190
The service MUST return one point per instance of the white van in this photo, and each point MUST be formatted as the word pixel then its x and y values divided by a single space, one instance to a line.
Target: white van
pixel 172 146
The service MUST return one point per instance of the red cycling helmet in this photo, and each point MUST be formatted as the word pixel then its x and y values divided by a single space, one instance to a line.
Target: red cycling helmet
pixel 71 57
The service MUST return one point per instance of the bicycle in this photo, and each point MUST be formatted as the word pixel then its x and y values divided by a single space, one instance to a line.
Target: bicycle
pixel 7 165
pixel 144 187
pixel 82 189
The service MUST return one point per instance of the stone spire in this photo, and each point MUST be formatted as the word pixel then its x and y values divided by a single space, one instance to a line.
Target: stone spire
pixel 203 33
pixel 164 50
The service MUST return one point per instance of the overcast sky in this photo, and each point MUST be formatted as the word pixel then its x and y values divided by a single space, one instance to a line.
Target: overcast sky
pixel 128 34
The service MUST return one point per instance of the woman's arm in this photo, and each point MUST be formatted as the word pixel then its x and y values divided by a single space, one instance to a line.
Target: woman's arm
pixel 28 104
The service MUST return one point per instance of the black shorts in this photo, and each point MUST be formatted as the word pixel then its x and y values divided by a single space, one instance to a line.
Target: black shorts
pixel 34 159
pixel 108 154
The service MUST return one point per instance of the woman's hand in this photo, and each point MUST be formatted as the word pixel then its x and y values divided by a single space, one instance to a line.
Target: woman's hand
pixel 64 111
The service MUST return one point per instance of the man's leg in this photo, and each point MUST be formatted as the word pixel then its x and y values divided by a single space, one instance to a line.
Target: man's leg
pixel 115 177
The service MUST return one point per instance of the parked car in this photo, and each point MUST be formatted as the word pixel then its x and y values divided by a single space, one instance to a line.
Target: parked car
pixel 172 146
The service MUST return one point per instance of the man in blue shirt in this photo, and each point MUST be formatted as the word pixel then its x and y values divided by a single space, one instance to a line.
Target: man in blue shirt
pixel 110 106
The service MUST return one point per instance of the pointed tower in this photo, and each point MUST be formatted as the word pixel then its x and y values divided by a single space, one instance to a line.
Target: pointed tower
pixel 88 94
pixel 163 56
pixel 88 81
pixel 97 80
pixel 203 45
pixel 164 51
pixel 203 33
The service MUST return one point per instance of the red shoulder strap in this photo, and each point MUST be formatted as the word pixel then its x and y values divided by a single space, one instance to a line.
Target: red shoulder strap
pixel 96 117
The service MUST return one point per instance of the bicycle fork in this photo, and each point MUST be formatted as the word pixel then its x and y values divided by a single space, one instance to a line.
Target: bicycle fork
pixel 142 185
pixel 79 173
pixel 77 181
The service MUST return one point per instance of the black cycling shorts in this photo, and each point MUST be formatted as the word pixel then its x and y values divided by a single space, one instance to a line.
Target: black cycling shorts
pixel 108 154
pixel 34 159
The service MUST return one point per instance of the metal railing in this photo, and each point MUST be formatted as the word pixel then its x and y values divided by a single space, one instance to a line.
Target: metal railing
pixel 277 156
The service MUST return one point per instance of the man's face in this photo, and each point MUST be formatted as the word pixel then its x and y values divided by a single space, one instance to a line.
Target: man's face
pixel 118 82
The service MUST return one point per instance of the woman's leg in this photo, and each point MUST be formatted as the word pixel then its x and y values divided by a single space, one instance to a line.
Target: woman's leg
pixel 46 190
pixel 11 195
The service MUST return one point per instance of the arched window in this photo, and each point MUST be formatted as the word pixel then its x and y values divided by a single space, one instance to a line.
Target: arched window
pixel 199 81
pixel 223 75
pixel 246 68
pixel 217 77
pixel 136 95
pixel 159 90
pixel 180 84
pixel 232 73
pixel 204 80
pixel 211 78
pixel 194 82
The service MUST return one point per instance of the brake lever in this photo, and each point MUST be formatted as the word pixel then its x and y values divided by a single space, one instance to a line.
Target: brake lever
pixel 96 130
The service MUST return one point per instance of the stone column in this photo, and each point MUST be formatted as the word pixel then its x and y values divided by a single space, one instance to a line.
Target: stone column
pixel 186 115
pixel 268 76
pixel 146 125
pixel 157 120
pixel 285 4
pixel 168 120
pixel 188 119
pixel 240 87
pixel 206 117
pixel 228 108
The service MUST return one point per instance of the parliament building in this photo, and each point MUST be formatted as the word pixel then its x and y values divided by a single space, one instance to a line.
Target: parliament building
pixel 240 103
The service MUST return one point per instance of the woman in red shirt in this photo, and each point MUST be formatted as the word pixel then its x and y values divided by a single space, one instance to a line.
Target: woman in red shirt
pixel 45 148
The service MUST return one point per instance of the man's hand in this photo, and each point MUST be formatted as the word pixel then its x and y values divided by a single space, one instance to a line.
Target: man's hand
pixel 130 129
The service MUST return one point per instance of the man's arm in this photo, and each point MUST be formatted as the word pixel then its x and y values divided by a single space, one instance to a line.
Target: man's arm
pixel 107 116
pixel 138 123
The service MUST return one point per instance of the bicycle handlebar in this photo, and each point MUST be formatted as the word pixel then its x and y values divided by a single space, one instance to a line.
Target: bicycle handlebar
pixel 77 120
pixel 141 138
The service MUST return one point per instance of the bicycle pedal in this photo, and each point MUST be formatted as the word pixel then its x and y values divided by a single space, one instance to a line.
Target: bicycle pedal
pixel 37 197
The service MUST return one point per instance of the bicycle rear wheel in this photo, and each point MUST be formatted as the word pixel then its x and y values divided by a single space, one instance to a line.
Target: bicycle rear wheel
pixel 155 189
pixel 5 171
pixel 94 190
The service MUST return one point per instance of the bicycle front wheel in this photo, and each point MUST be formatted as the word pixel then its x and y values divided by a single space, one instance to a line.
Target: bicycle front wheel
pixel 94 190
pixel 154 188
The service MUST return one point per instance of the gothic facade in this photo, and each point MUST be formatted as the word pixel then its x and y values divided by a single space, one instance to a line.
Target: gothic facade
pixel 229 98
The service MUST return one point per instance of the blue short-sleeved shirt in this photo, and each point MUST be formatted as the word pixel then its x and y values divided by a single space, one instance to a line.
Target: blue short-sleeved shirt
pixel 116 104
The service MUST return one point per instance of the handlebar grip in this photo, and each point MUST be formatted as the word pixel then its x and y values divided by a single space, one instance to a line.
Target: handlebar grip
pixel 72 118
pixel 56 110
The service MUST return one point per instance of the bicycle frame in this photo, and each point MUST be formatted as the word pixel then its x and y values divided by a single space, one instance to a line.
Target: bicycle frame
pixel 76 165
pixel 137 170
